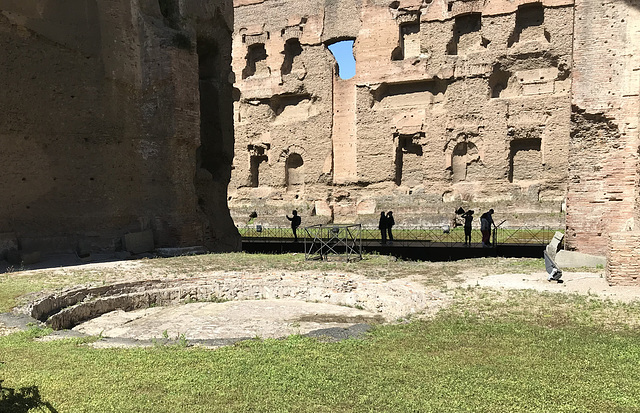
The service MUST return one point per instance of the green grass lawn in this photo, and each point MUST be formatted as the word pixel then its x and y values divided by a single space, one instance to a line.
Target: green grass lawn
pixel 490 351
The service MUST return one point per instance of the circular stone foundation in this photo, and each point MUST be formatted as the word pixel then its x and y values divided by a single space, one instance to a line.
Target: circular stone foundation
pixel 230 305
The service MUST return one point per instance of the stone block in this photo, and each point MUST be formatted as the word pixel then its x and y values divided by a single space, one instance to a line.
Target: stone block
pixel 538 88
pixel 139 242
pixel 537 75
pixel 572 259
pixel 179 252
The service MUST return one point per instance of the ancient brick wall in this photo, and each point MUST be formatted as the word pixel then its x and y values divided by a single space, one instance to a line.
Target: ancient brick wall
pixel 602 193
pixel 284 111
pixel 623 258
pixel 460 103
pixel 101 124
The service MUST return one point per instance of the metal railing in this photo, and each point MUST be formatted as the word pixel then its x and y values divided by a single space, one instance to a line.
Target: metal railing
pixel 412 236
pixel 338 241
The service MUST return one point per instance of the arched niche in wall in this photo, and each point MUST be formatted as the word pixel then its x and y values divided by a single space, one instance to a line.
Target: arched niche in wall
pixel 256 59
pixel 409 36
pixel 503 83
pixel 294 174
pixel 292 51
pixel 463 154
pixel 294 171
pixel 408 162
pixel 529 24
pixel 466 34
pixel 258 158
pixel 525 160
pixel 464 158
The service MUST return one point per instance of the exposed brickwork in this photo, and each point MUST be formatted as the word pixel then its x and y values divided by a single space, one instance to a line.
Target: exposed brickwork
pixel 603 156
pixel 623 258
pixel 601 196
pixel 441 95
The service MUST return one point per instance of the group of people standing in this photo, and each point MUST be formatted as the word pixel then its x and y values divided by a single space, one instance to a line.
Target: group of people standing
pixel 385 225
pixel 486 222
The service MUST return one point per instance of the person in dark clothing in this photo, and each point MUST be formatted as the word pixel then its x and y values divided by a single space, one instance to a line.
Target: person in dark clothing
pixel 390 223
pixel 486 222
pixel 295 223
pixel 468 221
pixel 382 226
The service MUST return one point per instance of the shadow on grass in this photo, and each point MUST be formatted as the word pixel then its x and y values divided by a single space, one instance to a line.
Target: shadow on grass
pixel 22 400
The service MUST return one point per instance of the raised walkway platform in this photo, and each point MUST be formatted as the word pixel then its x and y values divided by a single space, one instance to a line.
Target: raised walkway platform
pixel 417 244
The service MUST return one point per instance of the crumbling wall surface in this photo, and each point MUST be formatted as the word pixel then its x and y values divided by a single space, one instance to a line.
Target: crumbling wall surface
pixel 458 103
pixel 480 116
pixel 100 124
pixel 209 26
pixel 283 114
pixel 602 183
pixel 602 195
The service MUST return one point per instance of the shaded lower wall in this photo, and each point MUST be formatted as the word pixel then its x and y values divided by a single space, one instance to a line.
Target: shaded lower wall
pixel 100 127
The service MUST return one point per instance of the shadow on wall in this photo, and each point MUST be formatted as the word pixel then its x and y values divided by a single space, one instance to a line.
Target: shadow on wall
pixel 215 154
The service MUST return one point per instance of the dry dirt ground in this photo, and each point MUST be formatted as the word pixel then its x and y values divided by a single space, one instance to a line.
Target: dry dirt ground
pixel 592 283
pixel 214 324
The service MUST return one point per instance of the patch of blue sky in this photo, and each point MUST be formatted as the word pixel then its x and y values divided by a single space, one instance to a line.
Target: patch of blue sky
pixel 343 53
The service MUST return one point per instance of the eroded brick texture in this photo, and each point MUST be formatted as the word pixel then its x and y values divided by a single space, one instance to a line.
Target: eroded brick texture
pixel 623 258
pixel 460 103
pixel 602 183
pixel 602 197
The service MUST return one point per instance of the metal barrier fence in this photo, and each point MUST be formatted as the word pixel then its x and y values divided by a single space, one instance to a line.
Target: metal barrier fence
pixel 338 241
pixel 414 236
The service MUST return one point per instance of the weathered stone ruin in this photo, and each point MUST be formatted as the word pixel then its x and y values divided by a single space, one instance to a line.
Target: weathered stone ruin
pixel 603 199
pixel 529 107
pixel 116 117
pixel 388 299
pixel 453 103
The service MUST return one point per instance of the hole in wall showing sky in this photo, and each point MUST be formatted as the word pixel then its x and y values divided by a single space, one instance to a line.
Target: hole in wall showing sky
pixel 343 53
